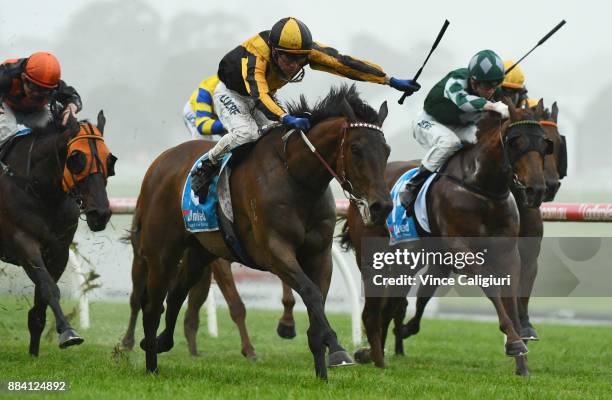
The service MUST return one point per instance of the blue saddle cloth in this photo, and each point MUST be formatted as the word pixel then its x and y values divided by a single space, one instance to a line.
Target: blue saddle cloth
pixel 401 227
pixel 201 217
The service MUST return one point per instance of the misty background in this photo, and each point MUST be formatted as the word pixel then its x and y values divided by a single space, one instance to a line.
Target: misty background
pixel 141 60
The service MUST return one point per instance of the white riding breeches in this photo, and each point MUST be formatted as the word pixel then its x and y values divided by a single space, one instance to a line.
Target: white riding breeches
pixel 12 122
pixel 239 116
pixel 441 141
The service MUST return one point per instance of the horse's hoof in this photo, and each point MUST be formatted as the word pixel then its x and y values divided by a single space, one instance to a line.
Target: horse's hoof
pixel 127 344
pixel 516 349
pixel 69 338
pixel 529 333
pixel 340 358
pixel 409 329
pixel 362 356
pixel 285 331
pixel 524 373
pixel 249 355
pixel 164 343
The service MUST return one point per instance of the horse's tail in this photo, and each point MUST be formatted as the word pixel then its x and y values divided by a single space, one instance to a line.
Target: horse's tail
pixel 345 238
pixel 132 235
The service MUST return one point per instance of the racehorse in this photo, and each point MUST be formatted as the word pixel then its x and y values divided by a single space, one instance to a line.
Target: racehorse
pixel 284 214
pixel 555 169
pixel 48 178
pixel 221 270
pixel 470 199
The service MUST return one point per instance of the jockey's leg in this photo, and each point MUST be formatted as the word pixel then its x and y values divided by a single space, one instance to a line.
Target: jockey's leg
pixel 8 124
pixel 236 114
pixel 441 142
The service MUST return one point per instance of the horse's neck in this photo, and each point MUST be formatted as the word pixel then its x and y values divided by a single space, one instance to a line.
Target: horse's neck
pixel 40 157
pixel 484 166
pixel 304 167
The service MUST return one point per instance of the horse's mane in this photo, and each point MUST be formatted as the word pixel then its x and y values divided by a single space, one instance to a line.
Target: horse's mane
pixel 331 106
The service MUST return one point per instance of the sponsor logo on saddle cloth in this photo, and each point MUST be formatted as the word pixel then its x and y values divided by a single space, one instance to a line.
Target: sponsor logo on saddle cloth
pixel 402 228
pixel 201 217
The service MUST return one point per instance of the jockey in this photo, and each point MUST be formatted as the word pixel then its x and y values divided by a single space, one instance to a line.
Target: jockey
pixel 28 87
pixel 199 115
pixel 450 113
pixel 514 87
pixel 251 74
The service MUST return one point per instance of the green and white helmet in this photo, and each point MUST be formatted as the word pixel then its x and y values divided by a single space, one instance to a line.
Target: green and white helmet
pixel 487 66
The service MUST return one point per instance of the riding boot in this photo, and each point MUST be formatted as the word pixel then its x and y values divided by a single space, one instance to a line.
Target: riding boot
pixel 409 194
pixel 201 177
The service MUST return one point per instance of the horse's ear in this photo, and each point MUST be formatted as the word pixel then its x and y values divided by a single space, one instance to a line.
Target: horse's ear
pixel 554 112
pixel 347 110
pixel 540 107
pixel 382 113
pixel 101 122
pixel 511 108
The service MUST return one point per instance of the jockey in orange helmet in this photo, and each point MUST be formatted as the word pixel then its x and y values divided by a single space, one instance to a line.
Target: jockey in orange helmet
pixel 28 88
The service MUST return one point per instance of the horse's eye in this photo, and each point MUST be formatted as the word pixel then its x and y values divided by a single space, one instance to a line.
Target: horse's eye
pixel 356 150
pixel 519 143
pixel 76 162
pixel 110 164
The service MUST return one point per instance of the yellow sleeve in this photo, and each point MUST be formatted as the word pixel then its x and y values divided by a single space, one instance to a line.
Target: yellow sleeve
pixel 327 59
pixel 254 75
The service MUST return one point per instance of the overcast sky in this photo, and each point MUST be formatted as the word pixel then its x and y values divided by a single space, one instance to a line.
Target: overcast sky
pixel 573 67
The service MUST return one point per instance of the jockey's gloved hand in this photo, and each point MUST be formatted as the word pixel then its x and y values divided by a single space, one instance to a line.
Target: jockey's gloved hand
pixel 296 122
pixel 404 85
pixel 498 107
pixel 217 128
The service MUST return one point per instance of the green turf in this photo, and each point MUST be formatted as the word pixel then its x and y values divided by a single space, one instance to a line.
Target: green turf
pixel 448 359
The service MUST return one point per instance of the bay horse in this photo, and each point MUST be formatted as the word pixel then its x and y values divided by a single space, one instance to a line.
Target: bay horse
pixel 48 178
pixel 470 199
pixel 284 214
pixel 532 225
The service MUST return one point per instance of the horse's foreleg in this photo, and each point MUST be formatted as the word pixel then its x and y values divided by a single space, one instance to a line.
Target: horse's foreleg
pixel 190 272
pixel 197 296
pixel 320 334
pixel 286 324
pixel 37 317
pixel 222 271
pixel 424 294
pixel 529 270
pixel 49 292
pixel 372 322
pixel 398 321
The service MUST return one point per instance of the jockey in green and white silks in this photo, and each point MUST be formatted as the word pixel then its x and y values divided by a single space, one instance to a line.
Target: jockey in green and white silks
pixel 450 113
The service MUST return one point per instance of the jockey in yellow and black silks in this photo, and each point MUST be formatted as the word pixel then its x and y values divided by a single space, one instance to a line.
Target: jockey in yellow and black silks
pixel 251 74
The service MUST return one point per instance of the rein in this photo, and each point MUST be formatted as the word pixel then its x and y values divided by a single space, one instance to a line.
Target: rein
pixel 340 177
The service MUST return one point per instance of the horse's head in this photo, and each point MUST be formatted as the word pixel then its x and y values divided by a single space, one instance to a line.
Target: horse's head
pixel 555 165
pixel 363 157
pixel 525 146
pixel 88 165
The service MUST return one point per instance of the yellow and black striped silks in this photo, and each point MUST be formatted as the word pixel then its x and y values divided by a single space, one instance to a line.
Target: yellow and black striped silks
pixel 248 70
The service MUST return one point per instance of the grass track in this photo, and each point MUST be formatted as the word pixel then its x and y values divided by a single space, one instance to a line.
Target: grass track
pixel 447 360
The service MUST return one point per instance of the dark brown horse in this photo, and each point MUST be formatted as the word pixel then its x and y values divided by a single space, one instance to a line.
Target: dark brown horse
pixel 555 168
pixel 284 215
pixel 47 175
pixel 471 199
pixel 222 272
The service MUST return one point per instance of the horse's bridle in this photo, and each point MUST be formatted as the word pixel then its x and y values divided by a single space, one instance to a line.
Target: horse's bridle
pixel 340 177
pixel 533 138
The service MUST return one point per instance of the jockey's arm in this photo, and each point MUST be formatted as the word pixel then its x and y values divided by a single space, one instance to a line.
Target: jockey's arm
pixel 206 123
pixel 68 95
pixel 324 58
pixel 254 73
